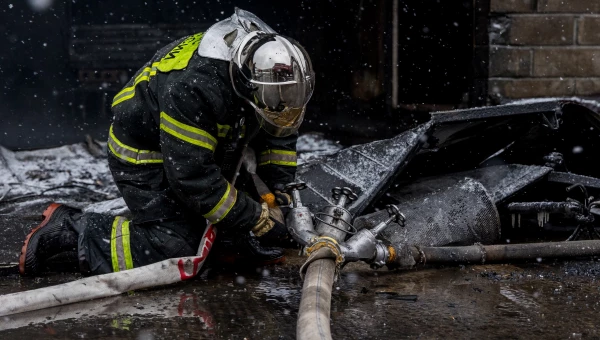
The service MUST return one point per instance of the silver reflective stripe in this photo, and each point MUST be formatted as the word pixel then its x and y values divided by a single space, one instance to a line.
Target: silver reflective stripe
pixel 119 244
pixel 220 211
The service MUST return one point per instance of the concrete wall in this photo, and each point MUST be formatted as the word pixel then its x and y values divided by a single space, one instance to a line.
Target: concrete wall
pixel 543 48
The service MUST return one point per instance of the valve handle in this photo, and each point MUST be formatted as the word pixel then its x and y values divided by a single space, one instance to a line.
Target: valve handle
pixel 396 214
pixel 338 192
pixel 349 193
pixel 294 186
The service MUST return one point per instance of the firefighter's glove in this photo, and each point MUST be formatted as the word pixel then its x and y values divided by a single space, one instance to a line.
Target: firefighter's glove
pixel 277 200
pixel 282 199
pixel 271 224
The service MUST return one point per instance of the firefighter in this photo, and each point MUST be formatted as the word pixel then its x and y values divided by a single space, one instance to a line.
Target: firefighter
pixel 180 127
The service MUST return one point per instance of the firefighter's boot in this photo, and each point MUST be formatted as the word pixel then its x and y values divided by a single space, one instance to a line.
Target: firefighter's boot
pixel 52 245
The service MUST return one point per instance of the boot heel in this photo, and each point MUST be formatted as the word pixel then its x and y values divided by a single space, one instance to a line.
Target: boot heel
pixel 50 210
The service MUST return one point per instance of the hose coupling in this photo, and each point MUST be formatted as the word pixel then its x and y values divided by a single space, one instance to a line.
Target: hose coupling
pixel 382 256
pixel 328 242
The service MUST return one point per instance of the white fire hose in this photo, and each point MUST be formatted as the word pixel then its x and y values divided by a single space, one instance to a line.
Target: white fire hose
pixel 100 286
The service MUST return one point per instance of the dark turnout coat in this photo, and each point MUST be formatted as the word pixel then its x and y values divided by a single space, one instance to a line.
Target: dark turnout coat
pixel 173 150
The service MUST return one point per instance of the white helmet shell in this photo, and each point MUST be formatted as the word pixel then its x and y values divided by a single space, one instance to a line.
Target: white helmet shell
pixel 222 39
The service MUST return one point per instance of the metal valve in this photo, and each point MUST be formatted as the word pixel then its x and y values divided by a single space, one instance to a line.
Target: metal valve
pixel 342 195
pixel 294 190
pixel 365 246
pixel 395 216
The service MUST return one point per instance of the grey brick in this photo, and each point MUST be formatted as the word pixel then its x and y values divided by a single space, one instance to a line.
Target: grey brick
pixel 541 30
pixel 588 31
pixel 512 6
pixel 530 88
pixel 509 62
pixel 569 6
pixel 587 86
pixel 566 62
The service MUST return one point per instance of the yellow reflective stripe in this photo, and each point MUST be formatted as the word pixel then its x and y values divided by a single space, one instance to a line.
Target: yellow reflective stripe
pixel 129 92
pixel 220 211
pixel 120 249
pixel 278 157
pixel 129 154
pixel 187 133
pixel 222 130
pixel 126 245
pixel 144 75
pixel 113 244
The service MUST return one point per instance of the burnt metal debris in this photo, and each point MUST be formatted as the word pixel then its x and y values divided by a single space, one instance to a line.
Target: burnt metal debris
pixel 474 175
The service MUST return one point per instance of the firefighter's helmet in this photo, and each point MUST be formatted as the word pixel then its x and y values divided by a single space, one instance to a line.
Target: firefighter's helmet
pixel 273 73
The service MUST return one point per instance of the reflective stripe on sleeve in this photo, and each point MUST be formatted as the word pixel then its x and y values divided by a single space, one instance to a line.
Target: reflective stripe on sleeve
pixel 222 130
pixel 187 133
pixel 278 157
pixel 129 154
pixel 129 92
pixel 220 211
pixel 120 249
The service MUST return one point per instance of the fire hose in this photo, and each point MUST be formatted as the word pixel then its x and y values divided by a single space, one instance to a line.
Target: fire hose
pixel 95 287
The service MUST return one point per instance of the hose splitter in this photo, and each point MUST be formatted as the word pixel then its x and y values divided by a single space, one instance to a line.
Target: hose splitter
pixel 334 224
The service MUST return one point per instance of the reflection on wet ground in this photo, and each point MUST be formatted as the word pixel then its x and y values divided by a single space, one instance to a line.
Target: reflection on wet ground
pixel 550 300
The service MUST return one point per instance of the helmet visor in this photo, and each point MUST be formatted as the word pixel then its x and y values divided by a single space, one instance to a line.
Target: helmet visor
pixel 275 75
pixel 282 106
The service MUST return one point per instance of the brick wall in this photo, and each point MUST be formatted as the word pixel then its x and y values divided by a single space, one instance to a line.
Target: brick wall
pixel 543 48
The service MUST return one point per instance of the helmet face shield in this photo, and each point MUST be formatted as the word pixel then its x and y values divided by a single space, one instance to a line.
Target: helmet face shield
pixel 274 74
pixel 280 123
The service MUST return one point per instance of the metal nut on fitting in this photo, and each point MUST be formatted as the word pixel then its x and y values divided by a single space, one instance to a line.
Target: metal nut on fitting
pixel 381 256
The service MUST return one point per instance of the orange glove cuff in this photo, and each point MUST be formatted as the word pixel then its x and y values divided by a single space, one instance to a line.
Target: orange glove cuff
pixel 269 199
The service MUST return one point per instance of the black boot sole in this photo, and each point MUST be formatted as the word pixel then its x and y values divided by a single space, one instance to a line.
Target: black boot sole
pixel 49 215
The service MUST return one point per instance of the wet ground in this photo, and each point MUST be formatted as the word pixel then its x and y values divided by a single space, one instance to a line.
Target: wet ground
pixel 537 300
